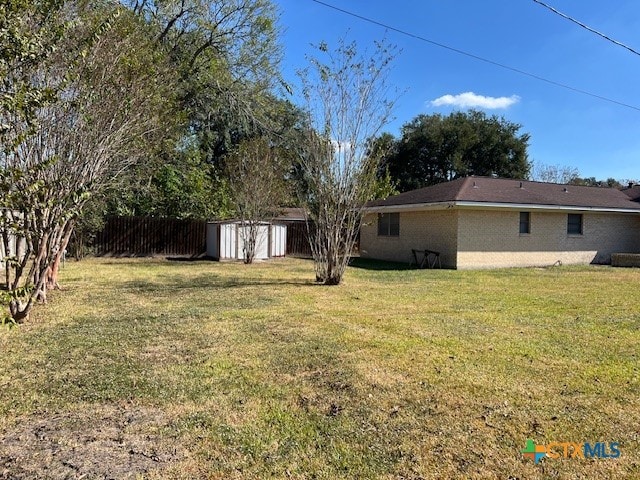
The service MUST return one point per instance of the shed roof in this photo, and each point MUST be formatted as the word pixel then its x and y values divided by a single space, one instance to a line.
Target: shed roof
pixel 486 190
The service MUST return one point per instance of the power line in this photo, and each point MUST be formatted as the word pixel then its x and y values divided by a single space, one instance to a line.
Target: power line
pixel 586 27
pixel 475 57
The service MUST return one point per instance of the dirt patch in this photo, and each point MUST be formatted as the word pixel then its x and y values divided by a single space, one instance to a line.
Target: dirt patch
pixel 95 443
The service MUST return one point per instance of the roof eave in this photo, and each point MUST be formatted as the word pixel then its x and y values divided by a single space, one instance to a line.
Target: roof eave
pixel 542 207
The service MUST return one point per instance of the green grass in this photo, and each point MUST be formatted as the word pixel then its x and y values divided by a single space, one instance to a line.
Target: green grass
pixel 256 372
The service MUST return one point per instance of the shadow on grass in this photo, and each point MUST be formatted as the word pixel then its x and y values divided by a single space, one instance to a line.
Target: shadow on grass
pixel 130 259
pixel 208 281
pixel 379 265
pixel 193 258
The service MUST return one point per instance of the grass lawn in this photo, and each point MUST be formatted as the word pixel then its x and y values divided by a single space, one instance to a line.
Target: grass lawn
pixel 158 369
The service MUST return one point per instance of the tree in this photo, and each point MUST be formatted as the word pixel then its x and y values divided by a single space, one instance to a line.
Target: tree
pixel 226 54
pixel 111 99
pixel 347 100
pixel 592 182
pixel 256 173
pixel 30 31
pixel 562 174
pixel 436 148
pixel 381 148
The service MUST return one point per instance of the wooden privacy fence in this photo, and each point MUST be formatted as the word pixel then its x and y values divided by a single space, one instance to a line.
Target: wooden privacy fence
pixel 139 236
pixel 297 239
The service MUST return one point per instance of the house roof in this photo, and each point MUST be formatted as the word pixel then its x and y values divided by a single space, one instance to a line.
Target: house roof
pixel 505 192
pixel 291 214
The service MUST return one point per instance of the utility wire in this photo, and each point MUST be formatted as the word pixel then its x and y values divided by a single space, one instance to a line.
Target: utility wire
pixel 586 27
pixel 476 57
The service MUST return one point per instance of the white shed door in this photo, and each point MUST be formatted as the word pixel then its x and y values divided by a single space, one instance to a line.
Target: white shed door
pixel 278 240
pixel 228 240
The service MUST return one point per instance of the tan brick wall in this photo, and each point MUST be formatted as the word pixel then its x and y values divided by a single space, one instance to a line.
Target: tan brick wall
pixel 433 230
pixel 488 239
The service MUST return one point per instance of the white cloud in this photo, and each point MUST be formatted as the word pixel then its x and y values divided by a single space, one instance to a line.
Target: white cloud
pixel 472 100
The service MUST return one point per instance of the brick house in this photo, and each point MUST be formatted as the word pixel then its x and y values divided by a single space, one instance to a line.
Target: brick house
pixel 479 222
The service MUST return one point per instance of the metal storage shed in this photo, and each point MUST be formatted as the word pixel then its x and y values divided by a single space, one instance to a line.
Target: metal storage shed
pixel 225 240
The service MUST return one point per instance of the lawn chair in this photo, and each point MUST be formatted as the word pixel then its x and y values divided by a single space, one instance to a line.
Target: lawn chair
pixel 425 258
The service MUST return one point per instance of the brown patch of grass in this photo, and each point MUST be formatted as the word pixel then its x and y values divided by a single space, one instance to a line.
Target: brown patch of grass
pixel 95 442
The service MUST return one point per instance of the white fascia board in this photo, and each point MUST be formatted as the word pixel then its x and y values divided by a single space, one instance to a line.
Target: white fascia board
pixel 494 206
pixel 541 208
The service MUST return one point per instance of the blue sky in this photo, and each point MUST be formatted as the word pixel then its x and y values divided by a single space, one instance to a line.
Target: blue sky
pixel 600 139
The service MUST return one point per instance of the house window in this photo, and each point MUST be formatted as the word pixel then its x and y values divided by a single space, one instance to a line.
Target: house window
pixel 389 224
pixel 525 222
pixel 574 224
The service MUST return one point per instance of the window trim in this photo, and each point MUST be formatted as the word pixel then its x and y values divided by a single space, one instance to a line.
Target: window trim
pixel 527 223
pixel 571 224
pixel 387 227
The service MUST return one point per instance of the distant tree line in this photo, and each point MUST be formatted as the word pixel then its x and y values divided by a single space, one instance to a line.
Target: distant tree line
pixel 565 174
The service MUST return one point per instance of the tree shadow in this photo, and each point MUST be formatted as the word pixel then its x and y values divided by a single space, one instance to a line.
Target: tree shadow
pixel 194 258
pixel 208 281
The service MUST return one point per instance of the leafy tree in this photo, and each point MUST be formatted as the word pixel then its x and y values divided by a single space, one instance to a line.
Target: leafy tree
pixel 384 186
pixel 436 148
pixel 226 55
pixel 30 31
pixel 347 102
pixel 110 100
pixel 183 181
pixel 383 147
pixel 593 182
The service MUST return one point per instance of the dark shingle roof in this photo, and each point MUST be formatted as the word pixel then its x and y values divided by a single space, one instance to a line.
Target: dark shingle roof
pixel 633 193
pixel 510 191
pixel 291 214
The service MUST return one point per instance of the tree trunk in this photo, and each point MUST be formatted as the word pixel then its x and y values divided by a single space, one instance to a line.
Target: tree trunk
pixel 333 280
pixel 250 238
pixel 54 270
pixel 19 311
